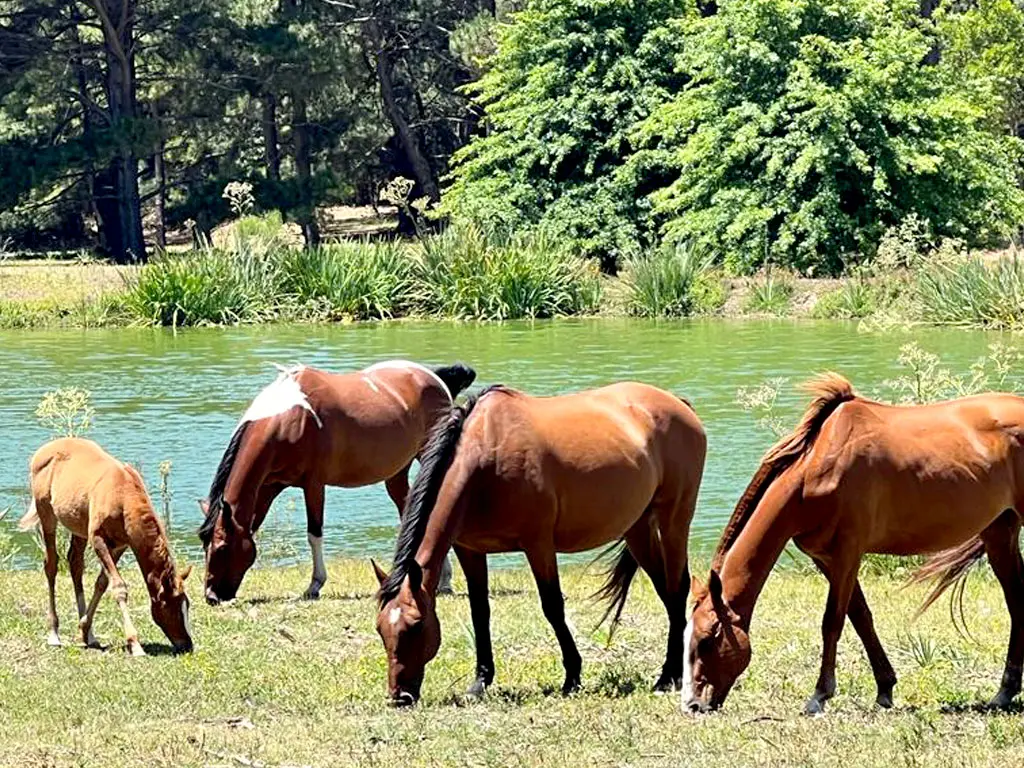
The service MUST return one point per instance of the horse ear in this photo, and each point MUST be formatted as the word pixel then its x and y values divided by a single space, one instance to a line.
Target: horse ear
pixel 715 587
pixel 379 572
pixel 415 575
pixel 204 505
pixel 185 573
pixel 696 588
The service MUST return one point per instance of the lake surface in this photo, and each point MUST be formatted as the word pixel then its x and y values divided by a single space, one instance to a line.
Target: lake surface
pixel 161 396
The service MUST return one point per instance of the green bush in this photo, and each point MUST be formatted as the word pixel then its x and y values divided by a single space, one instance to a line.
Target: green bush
pixel 770 294
pixel 858 297
pixel 672 282
pixel 969 291
pixel 465 272
pixel 360 280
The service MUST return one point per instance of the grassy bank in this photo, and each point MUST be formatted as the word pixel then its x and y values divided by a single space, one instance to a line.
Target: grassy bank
pixel 465 274
pixel 278 682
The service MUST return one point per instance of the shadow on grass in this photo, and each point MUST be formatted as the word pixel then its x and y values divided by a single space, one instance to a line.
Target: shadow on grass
pixel 980 708
pixel 159 649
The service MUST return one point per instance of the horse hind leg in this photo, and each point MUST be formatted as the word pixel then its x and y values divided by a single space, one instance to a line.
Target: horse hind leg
pixel 76 565
pixel 842 581
pixel 48 526
pixel 1002 546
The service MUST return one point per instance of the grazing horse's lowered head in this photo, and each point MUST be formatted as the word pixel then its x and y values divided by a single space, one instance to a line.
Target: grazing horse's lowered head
pixel 716 647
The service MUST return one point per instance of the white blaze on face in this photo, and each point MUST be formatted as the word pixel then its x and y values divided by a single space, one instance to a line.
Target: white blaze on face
pixel 394 616
pixel 687 692
pixel 283 394
pixel 409 364
pixel 184 617
pixel 316 546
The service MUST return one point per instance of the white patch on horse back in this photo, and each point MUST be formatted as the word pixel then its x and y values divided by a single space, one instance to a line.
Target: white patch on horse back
pixel 316 545
pixel 410 364
pixel 687 691
pixel 280 396
pixel 369 381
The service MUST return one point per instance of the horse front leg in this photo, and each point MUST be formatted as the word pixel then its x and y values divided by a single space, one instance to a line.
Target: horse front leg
pixel 544 564
pixel 474 566
pixel 842 580
pixel 314 495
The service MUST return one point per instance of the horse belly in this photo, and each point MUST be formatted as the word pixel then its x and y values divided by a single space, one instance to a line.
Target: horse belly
pixel 371 456
pixel 600 508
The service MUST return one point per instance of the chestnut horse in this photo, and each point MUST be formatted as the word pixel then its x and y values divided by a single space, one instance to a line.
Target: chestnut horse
pixel 855 477
pixel 310 429
pixel 104 504
pixel 542 475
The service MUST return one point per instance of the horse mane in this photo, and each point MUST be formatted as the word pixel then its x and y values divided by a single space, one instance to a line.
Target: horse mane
pixel 438 455
pixel 830 390
pixel 220 481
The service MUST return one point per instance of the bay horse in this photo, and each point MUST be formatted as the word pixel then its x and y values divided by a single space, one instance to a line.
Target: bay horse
pixel 858 477
pixel 103 502
pixel 310 429
pixel 507 473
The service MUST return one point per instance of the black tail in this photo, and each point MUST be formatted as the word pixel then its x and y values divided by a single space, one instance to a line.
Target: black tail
pixel 215 500
pixel 616 585
pixel 436 459
pixel 457 377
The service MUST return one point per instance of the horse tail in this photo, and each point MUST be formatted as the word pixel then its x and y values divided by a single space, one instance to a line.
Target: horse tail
pixel 949 568
pixel 31 518
pixel 830 390
pixel 215 500
pixel 615 590
pixel 435 461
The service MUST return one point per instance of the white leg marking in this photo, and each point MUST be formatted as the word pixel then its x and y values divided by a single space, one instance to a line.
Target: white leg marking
pixel 687 691
pixel 53 639
pixel 316 545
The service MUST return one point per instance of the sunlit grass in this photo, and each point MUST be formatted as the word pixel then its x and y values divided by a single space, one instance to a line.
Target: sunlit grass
pixel 277 681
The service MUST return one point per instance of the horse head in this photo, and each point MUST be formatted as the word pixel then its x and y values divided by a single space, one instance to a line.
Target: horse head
pixel 170 609
pixel 230 552
pixel 408 625
pixel 716 648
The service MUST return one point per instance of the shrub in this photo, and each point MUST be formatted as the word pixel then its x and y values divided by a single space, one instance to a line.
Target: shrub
pixel 770 294
pixel 672 282
pixel 968 291
pixel 465 272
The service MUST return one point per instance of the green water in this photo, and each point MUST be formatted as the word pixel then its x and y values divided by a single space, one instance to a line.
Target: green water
pixel 161 396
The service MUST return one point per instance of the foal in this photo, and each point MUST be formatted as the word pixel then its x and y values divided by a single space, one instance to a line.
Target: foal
pixel 104 504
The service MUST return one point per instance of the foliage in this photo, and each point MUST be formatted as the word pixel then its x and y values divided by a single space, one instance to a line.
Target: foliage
pixel 762 402
pixel 972 292
pixel 466 272
pixel 66 412
pixel 809 126
pixel 8 547
pixel 927 380
pixel 565 89
pixel 770 293
pixel 860 296
pixel 672 282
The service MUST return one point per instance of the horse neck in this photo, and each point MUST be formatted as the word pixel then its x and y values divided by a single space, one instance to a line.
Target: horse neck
pixel 750 559
pixel 440 534
pixel 149 543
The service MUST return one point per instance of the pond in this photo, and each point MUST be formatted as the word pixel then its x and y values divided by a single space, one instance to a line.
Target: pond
pixel 161 396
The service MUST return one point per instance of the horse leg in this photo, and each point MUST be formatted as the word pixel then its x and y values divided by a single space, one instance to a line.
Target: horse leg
pixel 314 495
pixel 49 527
pixel 102 580
pixel 864 624
pixel 1002 546
pixel 120 590
pixel 643 544
pixel 544 565
pixel 672 542
pixel 842 580
pixel 474 565
pixel 76 565
pixel 398 489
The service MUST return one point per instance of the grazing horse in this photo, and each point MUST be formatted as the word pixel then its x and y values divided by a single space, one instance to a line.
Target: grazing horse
pixel 104 504
pixel 310 429
pixel 855 477
pixel 542 475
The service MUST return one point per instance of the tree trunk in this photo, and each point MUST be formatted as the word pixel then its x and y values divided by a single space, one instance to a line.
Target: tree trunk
pixel 87 130
pixel 271 147
pixel 300 131
pixel 406 137
pixel 160 175
pixel 121 212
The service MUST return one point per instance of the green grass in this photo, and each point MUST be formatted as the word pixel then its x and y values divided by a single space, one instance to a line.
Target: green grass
pixel 858 297
pixel 277 682
pixel 770 295
pixel 972 292
pixel 672 282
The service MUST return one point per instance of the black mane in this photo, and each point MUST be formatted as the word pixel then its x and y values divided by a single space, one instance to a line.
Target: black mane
pixel 438 455
pixel 215 500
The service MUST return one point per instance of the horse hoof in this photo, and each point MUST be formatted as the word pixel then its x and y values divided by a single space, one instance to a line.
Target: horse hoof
pixel 1001 701
pixel 53 640
pixel 667 684
pixel 884 700
pixel 311 595
pixel 136 650
pixel 477 690
pixel 570 687
pixel 814 706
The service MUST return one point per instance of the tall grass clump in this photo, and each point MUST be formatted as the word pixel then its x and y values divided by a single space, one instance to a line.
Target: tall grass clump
pixel 465 272
pixel 207 286
pixel 358 280
pixel 672 281
pixel 770 294
pixel 970 292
